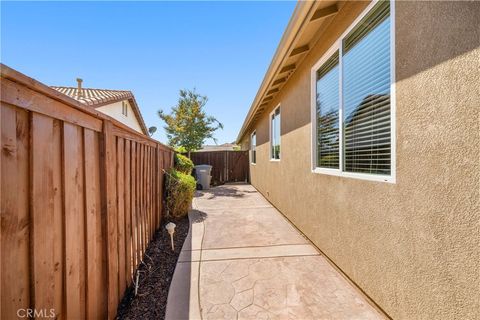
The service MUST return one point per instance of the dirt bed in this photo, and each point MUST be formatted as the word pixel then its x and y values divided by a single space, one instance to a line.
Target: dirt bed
pixel 156 274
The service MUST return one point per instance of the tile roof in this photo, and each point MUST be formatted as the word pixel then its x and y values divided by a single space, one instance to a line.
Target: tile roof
pixel 98 97
pixel 93 97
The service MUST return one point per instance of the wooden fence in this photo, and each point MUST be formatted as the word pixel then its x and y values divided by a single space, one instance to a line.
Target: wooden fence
pixel 81 197
pixel 227 166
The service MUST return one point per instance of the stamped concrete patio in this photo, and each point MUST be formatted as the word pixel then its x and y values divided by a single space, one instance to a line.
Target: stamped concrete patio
pixel 243 260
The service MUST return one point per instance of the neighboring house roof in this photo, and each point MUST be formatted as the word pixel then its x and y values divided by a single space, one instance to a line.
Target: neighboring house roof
pixel 302 33
pixel 99 97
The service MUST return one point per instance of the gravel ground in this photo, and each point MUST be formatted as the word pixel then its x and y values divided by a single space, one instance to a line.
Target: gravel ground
pixel 155 275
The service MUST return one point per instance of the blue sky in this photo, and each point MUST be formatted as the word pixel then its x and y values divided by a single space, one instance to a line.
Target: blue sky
pixel 151 48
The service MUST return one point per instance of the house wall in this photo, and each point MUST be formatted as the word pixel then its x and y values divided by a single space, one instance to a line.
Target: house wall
pixel 114 110
pixel 412 246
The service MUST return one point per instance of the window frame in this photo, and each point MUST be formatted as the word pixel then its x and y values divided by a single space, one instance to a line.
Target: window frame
pixel 254 133
pixel 125 108
pixel 279 130
pixel 337 45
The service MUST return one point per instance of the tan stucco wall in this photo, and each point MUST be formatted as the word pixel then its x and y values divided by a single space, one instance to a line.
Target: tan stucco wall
pixel 412 246
pixel 114 110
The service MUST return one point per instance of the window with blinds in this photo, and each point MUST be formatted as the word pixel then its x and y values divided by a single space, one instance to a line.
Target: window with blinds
pixel 253 147
pixel 275 134
pixel 353 125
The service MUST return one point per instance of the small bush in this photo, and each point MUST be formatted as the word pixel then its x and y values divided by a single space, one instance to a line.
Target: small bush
pixel 180 191
pixel 183 164
pixel 181 149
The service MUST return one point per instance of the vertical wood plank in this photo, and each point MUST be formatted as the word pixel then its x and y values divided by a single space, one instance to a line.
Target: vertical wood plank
pixel 139 201
pixel 161 166
pixel 58 220
pixel 144 194
pixel 110 210
pixel 121 215
pixel 149 192
pixel 145 191
pixel 134 205
pixel 42 239
pixel 74 221
pixel 147 186
pixel 95 268
pixel 142 203
pixel 128 215
pixel 156 189
pixel 15 283
pixel 153 162
pixel 137 205
pixel 153 190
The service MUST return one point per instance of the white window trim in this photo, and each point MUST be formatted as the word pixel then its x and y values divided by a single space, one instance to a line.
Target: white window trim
pixel 251 150
pixel 270 133
pixel 337 46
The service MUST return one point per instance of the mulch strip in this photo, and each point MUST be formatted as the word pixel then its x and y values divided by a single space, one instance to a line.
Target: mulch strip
pixel 156 274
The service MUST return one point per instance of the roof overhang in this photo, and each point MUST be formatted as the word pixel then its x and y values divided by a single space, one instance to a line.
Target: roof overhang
pixel 301 34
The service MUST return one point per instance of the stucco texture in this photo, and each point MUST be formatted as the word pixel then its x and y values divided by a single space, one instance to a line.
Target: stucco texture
pixel 114 110
pixel 412 246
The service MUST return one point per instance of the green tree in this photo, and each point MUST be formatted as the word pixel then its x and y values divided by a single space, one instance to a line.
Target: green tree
pixel 188 125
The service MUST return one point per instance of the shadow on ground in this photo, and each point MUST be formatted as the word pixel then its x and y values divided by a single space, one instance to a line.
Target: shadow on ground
pixel 197 216
pixel 223 191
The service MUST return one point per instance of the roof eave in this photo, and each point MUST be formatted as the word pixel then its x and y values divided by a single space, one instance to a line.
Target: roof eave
pixel 294 26
pixel 138 114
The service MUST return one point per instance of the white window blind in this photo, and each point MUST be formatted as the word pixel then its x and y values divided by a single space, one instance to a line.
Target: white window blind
pixel 366 94
pixel 327 100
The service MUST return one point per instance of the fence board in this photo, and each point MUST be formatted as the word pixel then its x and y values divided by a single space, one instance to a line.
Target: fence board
pixel 128 221
pixel 121 214
pixel 140 202
pixel 150 193
pixel 42 214
pixel 58 217
pixel 112 216
pixel 15 262
pixel 143 202
pixel 74 221
pixel 134 206
pixel 95 271
pixel 138 224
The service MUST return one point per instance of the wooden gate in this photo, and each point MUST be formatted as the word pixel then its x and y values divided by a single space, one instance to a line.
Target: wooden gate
pixel 228 166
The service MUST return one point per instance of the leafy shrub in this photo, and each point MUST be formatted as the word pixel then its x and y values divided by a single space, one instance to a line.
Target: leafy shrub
pixel 183 164
pixel 180 191
pixel 181 149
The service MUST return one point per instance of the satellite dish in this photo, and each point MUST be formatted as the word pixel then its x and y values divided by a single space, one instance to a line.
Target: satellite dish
pixel 152 130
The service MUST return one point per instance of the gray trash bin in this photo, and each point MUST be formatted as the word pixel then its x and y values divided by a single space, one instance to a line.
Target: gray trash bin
pixel 203 176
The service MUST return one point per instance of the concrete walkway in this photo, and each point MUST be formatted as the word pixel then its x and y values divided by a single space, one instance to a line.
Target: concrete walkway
pixel 243 260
